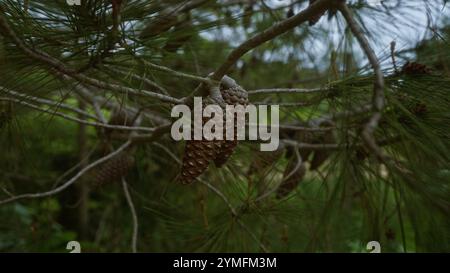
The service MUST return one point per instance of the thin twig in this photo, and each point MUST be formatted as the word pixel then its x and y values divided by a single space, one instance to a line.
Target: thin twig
pixel 223 197
pixel 235 214
pixel 378 99
pixel 284 104
pixel 317 7
pixel 75 119
pixel 287 90
pixel 62 68
pixel 47 102
pixel 176 73
pixel 96 101
pixel 275 188
pixel 76 166
pixel 133 214
pixel 139 78
pixel 394 63
pixel 309 146
pixel 70 181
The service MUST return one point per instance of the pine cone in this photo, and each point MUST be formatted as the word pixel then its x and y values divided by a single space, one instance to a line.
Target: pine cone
pixel 199 153
pixel 290 183
pixel 114 169
pixel 419 109
pixel 232 96
pixel 413 68
pixel 320 156
pixel 305 137
pixel 118 117
pixel 197 156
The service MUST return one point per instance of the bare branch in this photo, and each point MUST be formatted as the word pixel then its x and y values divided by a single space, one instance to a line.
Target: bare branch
pixel 318 7
pixel 75 119
pixel 284 104
pixel 69 182
pixel 274 189
pixel 223 197
pixel 287 90
pixel 176 73
pixel 47 102
pixel 309 146
pixel 62 68
pixel 378 99
pixel 139 78
pixel 133 214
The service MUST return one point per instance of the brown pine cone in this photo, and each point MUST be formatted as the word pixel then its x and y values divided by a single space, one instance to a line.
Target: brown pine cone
pixel 232 96
pixel 419 109
pixel 199 153
pixel 413 68
pixel 320 156
pixel 290 183
pixel 197 156
pixel 114 169
pixel 118 117
pixel 305 137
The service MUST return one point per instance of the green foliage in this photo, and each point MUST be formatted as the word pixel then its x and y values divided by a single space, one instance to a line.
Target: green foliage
pixel 351 199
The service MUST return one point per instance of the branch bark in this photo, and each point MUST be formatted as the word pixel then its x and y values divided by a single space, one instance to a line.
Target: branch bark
pixel 70 181
pixel 318 7
pixel 378 100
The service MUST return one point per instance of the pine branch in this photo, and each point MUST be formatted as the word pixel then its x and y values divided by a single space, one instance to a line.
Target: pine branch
pixel 378 100
pixel 133 214
pixel 75 119
pixel 70 181
pixel 270 33
pixel 62 68
pixel 225 200
pixel 46 102
pixel 287 90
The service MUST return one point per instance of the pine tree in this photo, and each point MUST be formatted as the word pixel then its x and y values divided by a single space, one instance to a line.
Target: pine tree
pixel 364 151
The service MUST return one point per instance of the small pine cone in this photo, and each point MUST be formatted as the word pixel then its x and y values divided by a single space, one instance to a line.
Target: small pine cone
pixel 320 156
pixel 197 155
pixel 226 150
pixel 232 96
pixel 305 137
pixel 114 169
pixel 419 109
pixel 413 68
pixel 290 183
pixel 119 117
pixel 235 96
